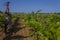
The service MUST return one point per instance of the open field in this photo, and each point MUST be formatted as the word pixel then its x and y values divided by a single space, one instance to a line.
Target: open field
pixel 45 26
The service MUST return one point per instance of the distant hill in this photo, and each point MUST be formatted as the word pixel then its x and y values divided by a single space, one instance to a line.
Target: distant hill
pixel 1 12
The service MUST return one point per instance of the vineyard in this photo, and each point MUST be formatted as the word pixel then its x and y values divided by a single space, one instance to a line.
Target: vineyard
pixel 45 26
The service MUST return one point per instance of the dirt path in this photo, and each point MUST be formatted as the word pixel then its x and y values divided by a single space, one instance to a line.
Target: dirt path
pixel 22 32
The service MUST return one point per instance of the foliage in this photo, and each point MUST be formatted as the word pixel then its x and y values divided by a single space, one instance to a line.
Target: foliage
pixel 45 26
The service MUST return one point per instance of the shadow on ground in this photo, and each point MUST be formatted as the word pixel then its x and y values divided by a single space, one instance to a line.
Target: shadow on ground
pixel 14 29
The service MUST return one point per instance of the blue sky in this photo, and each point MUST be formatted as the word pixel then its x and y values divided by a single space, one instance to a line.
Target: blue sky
pixel 32 5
